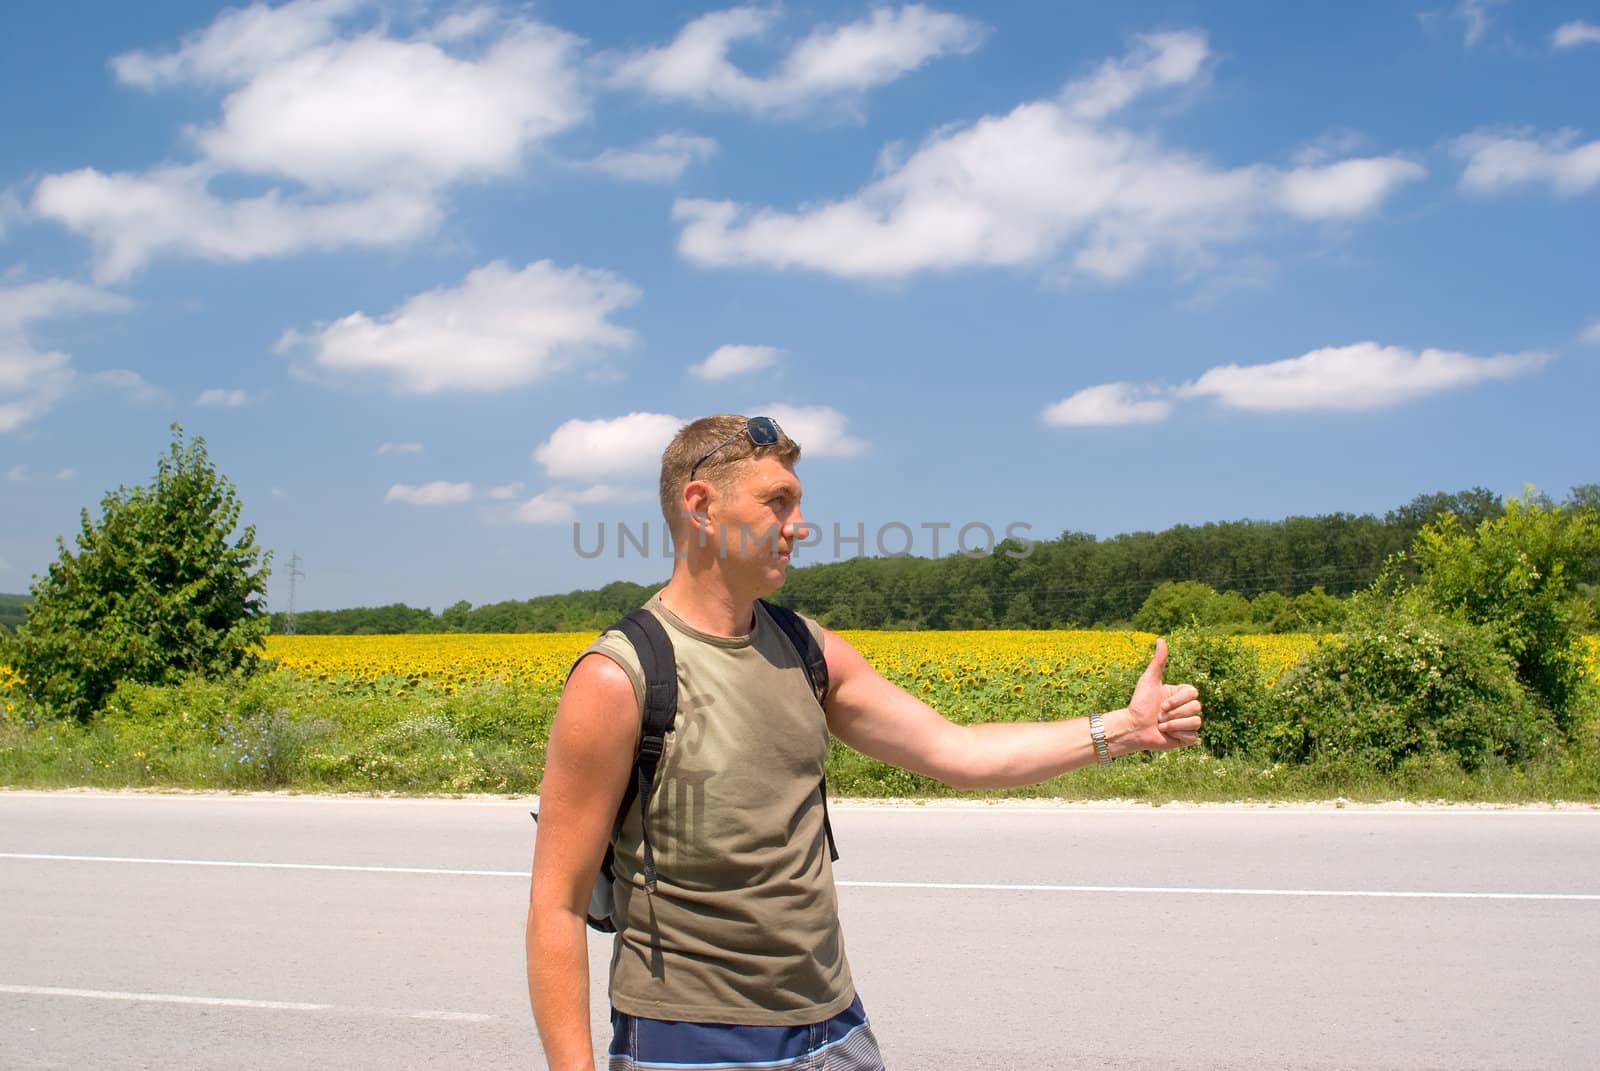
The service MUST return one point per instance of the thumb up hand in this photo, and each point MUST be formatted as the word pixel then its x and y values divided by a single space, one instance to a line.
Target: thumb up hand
pixel 1162 716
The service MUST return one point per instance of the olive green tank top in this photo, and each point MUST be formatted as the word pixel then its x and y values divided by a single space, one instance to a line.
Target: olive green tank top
pixel 744 924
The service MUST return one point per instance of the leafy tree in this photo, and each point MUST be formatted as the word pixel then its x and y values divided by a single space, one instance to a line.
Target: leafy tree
pixel 1272 611
pixel 155 591
pixel 1173 604
pixel 1584 498
pixel 454 617
pixel 1470 507
pixel 1511 573
pixel 1317 611
pixel 13 611
pixel 1182 602
pixel 1020 612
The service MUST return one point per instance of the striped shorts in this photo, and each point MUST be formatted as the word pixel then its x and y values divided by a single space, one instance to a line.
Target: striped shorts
pixel 843 1043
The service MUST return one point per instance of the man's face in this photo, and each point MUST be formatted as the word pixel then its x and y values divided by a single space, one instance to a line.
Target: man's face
pixel 759 520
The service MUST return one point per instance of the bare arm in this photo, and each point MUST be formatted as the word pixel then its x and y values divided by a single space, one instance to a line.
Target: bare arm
pixel 880 719
pixel 588 762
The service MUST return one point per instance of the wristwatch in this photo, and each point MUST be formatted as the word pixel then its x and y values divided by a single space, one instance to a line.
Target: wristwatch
pixel 1097 729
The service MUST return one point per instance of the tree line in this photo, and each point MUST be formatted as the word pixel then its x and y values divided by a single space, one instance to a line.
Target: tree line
pixel 13 611
pixel 1281 576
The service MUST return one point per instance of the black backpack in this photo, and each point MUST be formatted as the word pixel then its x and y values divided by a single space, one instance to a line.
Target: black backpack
pixel 654 648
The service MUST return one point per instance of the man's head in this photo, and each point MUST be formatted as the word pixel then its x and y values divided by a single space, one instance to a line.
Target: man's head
pixel 716 449
pixel 732 501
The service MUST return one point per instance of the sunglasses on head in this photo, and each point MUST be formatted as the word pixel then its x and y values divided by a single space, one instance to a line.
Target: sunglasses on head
pixel 763 431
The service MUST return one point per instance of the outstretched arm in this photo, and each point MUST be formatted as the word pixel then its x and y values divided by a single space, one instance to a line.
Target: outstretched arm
pixel 883 720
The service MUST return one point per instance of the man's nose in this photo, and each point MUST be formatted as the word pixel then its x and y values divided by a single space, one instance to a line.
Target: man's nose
pixel 797 527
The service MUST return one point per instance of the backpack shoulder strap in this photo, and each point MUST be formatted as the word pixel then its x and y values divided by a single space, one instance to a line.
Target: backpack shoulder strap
pixel 654 647
pixel 816 663
pixel 805 643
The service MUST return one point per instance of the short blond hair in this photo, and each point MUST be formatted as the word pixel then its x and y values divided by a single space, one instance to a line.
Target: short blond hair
pixel 691 444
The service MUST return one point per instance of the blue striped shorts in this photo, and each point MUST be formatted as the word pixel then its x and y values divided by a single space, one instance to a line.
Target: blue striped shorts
pixel 843 1043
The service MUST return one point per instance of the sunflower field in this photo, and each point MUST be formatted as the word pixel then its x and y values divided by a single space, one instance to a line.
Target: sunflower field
pixel 921 661
pixel 472 712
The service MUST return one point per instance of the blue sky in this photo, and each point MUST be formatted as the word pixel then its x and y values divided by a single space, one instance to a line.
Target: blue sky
pixel 436 282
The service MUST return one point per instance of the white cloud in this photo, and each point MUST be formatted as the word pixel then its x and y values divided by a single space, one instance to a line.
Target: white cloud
pixel 1157 61
pixel 327 104
pixel 1107 405
pixel 560 506
pixel 735 360
pixel 132 218
pixel 1575 33
pixel 628 445
pixel 545 509
pixel 828 65
pixel 437 493
pixel 631 445
pixel 1038 183
pixel 398 448
pixel 819 429
pixel 32 380
pixel 1346 189
pixel 464 24
pixel 1473 15
pixel 52 299
pixel 1592 333
pixel 126 382
pixel 22 474
pixel 371 112
pixel 505 491
pixel 216 396
pixel 240 44
pixel 1497 162
pixel 663 158
pixel 499 329
pixel 1329 146
pixel 1361 376
pixel 366 127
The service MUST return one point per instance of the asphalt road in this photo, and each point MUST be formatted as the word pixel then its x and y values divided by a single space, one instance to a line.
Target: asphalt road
pixel 162 932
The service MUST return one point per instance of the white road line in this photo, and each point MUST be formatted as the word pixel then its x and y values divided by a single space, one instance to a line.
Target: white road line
pixel 269 866
pixel 1085 810
pixel 1192 891
pixel 237 1002
pixel 949 886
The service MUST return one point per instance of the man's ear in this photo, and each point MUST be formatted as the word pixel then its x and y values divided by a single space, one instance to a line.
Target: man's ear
pixel 698 498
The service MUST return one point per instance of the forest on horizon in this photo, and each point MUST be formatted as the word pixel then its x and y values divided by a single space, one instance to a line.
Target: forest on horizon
pixel 1076 580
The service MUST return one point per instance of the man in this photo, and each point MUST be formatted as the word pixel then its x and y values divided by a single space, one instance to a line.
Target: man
pixel 736 958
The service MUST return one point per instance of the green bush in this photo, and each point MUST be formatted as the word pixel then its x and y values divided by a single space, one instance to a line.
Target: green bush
pixel 1178 602
pixel 1510 574
pixel 1233 690
pixel 155 592
pixel 1317 611
pixel 1408 680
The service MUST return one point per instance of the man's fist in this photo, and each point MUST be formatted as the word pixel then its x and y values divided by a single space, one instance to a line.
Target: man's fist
pixel 1162 716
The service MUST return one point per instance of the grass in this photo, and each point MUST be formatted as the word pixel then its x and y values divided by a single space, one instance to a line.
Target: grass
pixel 392 735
